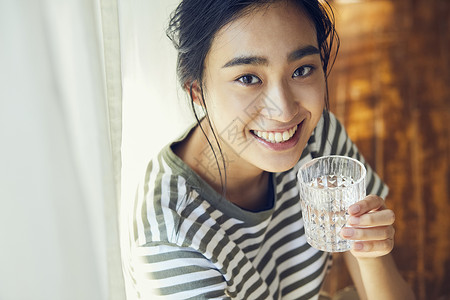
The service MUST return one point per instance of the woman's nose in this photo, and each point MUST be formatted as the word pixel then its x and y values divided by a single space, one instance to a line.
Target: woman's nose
pixel 280 103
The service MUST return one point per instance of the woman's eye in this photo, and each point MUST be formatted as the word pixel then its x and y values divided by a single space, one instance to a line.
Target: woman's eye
pixel 249 79
pixel 303 71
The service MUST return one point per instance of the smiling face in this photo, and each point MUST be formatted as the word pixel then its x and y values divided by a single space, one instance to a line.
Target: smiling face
pixel 264 86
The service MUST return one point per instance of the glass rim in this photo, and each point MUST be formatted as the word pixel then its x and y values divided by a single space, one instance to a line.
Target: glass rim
pixel 313 161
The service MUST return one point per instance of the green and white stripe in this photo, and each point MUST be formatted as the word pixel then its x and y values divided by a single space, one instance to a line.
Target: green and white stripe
pixel 187 242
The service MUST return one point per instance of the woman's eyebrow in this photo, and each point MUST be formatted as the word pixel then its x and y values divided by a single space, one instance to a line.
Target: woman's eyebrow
pixel 246 60
pixel 258 60
pixel 302 52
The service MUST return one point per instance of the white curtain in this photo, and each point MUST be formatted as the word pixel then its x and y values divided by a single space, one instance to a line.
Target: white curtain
pixel 60 134
pixel 155 109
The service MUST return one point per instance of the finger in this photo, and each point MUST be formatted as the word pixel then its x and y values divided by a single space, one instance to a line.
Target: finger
pixel 372 248
pixel 371 202
pixel 377 218
pixel 368 234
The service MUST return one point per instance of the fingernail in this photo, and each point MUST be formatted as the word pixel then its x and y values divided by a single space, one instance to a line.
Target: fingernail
pixel 353 220
pixel 347 231
pixel 354 209
pixel 358 246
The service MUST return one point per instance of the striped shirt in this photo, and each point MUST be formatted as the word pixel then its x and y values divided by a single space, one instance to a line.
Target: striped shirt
pixel 185 241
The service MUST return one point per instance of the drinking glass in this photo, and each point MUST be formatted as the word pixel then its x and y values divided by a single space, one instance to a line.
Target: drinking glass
pixel 328 186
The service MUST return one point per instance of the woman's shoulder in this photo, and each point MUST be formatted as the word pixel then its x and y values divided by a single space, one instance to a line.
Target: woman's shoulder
pixel 161 190
pixel 328 138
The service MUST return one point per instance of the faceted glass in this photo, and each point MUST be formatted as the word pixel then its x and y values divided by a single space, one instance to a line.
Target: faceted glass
pixel 328 186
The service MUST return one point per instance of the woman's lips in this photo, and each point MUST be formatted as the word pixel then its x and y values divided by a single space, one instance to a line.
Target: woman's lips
pixel 277 140
pixel 277 136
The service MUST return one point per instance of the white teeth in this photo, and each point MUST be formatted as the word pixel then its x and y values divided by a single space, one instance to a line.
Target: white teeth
pixel 277 137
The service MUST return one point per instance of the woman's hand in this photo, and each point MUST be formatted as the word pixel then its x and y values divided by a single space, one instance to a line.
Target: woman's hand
pixel 371 228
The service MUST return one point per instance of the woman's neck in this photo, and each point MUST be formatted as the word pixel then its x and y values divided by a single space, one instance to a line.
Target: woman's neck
pixel 246 185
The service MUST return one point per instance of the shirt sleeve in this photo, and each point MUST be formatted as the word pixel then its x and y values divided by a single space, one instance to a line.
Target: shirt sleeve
pixel 330 138
pixel 173 272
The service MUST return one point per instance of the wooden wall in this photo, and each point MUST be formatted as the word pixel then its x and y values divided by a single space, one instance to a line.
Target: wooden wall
pixel 390 86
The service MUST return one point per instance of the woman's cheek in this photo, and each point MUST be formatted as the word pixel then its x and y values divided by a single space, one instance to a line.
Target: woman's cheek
pixel 311 98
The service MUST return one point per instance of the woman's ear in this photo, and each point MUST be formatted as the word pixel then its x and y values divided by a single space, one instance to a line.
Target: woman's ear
pixel 194 90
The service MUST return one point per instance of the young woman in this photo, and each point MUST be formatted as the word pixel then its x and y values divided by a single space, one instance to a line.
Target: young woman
pixel 218 213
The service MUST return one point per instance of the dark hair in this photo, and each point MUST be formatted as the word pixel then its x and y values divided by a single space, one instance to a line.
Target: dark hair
pixel 194 24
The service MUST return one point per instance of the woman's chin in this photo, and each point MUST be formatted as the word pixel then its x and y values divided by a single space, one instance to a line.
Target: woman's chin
pixel 278 165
